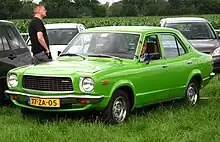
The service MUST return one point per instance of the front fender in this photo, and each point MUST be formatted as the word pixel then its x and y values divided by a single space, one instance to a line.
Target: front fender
pixel 122 83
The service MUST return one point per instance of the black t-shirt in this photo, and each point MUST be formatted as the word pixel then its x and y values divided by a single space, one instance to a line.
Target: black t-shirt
pixel 36 25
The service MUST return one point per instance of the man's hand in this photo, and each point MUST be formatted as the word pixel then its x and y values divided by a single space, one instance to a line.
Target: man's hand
pixel 47 52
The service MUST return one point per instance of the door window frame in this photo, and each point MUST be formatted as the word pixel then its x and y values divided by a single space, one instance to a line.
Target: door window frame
pixel 158 43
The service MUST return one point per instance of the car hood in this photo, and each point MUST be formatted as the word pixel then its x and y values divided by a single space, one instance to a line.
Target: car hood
pixel 205 46
pixel 70 67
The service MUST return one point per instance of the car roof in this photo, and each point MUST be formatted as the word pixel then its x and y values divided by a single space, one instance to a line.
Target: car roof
pixel 134 29
pixel 183 19
pixel 62 25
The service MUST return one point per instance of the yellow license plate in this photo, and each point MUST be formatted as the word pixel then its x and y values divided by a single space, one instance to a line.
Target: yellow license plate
pixel 44 102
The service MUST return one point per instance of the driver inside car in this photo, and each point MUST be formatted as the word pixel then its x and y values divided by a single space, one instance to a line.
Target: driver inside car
pixel 145 55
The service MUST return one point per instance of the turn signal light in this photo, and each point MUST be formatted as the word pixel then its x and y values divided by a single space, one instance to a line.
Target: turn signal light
pixel 105 82
pixel 14 97
pixel 82 101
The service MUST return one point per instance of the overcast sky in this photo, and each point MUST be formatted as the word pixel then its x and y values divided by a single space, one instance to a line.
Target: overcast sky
pixel 101 1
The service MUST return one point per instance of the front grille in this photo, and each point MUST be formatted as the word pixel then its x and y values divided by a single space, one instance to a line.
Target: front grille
pixel 42 83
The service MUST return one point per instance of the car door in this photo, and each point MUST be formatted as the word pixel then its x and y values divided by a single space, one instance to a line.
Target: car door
pixel 153 77
pixel 18 46
pixel 179 64
pixel 8 59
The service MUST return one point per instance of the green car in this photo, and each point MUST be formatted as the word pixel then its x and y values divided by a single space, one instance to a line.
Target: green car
pixel 114 70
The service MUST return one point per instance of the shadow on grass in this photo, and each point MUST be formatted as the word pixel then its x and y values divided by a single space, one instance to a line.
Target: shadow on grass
pixel 95 117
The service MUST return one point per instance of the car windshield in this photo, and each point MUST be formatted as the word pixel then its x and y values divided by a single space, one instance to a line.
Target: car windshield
pixel 194 30
pixel 61 36
pixel 122 45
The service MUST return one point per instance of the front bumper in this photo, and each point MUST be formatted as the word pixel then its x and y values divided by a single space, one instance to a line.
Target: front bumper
pixel 212 74
pixel 67 102
pixel 216 60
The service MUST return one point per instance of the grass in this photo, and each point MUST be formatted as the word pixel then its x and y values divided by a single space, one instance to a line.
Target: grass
pixel 166 122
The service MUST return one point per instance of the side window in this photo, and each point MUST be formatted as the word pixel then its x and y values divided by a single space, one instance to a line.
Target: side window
pixel 171 45
pixel 151 47
pixel 5 44
pixel 1 45
pixel 181 49
pixel 13 41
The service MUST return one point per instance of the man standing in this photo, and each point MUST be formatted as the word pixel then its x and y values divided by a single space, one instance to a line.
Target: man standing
pixel 38 35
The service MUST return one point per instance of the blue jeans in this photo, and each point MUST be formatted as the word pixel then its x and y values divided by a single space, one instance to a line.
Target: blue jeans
pixel 40 57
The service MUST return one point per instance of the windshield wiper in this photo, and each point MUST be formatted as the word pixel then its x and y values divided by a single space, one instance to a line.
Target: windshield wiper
pixel 105 55
pixel 73 54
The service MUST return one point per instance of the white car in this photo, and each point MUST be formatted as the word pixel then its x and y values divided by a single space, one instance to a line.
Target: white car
pixel 59 35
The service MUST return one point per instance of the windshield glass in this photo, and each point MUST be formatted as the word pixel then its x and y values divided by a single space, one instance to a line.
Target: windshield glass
pixel 122 45
pixel 61 36
pixel 193 30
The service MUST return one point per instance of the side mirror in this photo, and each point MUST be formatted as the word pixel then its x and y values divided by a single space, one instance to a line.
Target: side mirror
pixel 58 53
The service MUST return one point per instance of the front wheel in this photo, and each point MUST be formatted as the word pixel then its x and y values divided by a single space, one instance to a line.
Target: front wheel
pixel 192 93
pixel 118 108
pixel 2 93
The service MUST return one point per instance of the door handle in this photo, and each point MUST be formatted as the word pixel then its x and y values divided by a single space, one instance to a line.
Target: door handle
pixel 164 66
pixel 189 62
pixel 12 57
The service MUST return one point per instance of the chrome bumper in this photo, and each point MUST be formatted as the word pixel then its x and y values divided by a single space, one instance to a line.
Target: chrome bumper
pixel 7 92
pixel 212 74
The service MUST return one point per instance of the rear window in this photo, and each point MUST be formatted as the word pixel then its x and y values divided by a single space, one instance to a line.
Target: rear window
pixel 193 30
pixel 61 36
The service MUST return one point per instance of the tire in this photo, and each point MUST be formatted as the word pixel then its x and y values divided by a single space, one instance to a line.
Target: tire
pixel 2 92
pixel 115 115
pixel 1 95
pixel 192 93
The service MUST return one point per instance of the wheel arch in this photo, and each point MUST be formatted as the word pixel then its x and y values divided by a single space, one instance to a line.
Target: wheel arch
pixel 128 88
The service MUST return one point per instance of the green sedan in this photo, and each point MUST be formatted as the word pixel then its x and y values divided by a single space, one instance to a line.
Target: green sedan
pixel 114 70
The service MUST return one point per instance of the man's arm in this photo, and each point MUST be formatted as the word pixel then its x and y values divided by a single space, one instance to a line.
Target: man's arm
pixel 42 41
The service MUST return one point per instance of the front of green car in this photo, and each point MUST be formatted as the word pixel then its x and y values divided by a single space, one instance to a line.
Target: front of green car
pixel 78 79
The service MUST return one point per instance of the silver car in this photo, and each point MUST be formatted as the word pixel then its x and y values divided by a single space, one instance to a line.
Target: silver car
pixel 200 33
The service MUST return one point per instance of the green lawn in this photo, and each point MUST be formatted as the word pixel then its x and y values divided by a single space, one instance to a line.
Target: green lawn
pixel 167 122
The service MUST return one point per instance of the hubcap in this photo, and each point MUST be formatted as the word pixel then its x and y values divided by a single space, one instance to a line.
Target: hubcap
pixel 119 109
pixel 192 94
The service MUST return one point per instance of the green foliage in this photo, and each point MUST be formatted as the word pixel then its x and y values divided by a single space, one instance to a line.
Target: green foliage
pixel 16 9
pixel 9 8
pixel 115 21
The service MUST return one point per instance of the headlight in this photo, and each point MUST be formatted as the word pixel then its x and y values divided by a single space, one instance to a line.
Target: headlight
pixel 86 84
pixel 216 52
pixel 12 81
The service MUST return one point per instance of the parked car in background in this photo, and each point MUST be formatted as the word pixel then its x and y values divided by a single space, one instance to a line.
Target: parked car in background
pixel 200 33
pixel 13 52
pixel 59 35
pixel 101 70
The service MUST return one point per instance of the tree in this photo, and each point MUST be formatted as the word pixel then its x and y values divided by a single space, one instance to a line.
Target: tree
pixel 115 10
pixel 57 8
pixel 9 8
